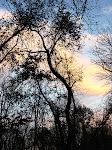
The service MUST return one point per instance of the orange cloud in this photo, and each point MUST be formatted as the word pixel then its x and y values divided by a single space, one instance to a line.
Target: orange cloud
pixel 91 84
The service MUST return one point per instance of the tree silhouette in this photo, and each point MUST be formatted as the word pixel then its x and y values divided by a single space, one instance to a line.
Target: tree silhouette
pixel 103 54
pixel 51 24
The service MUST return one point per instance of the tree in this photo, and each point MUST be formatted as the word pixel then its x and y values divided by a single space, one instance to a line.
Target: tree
pixel 103 51
pixel 53 23
pixel 35 101
pixel 103 58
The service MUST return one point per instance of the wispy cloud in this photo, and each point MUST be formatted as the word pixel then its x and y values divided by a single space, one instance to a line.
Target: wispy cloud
pixel 106 25
pixel 89 41
pixel 107 10
pixel 5 14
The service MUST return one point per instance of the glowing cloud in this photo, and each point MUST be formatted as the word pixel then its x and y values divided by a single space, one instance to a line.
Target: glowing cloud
pixel 91 84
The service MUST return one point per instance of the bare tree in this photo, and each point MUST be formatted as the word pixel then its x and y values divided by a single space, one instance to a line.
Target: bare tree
pixel 103 51
pixel 103 58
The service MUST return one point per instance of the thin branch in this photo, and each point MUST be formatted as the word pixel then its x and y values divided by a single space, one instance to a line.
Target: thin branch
pixel 13 35
pixel 9 51
pixel 51 52
pixel 75 7
pixel 41 39
pixel 84 7
pixel 107 69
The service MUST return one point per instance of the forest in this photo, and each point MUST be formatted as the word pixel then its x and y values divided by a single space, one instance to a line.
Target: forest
pixel 41 78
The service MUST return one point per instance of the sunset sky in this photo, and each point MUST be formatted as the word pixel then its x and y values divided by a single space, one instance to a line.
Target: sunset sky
pixel 96 88
pixel 92 87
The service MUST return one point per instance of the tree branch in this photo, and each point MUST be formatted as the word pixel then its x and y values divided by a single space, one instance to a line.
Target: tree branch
pixel 13 35
pixel 41 39
pixel 51 52
pixel 107 69
pixel 84 7
pixel 9 52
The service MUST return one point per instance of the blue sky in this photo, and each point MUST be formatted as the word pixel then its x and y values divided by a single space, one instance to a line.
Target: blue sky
pixel 106 12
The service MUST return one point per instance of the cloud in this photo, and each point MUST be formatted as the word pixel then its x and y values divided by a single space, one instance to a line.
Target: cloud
pixel 5 14
pixel 106 25
pixel 107 10
pixel 93 101
pixel 91 84
pixel 90 39
pixel 88 42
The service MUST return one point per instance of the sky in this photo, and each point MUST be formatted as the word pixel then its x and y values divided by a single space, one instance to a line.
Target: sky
pixel 106 12
pixel 94 90
pixel 98 90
